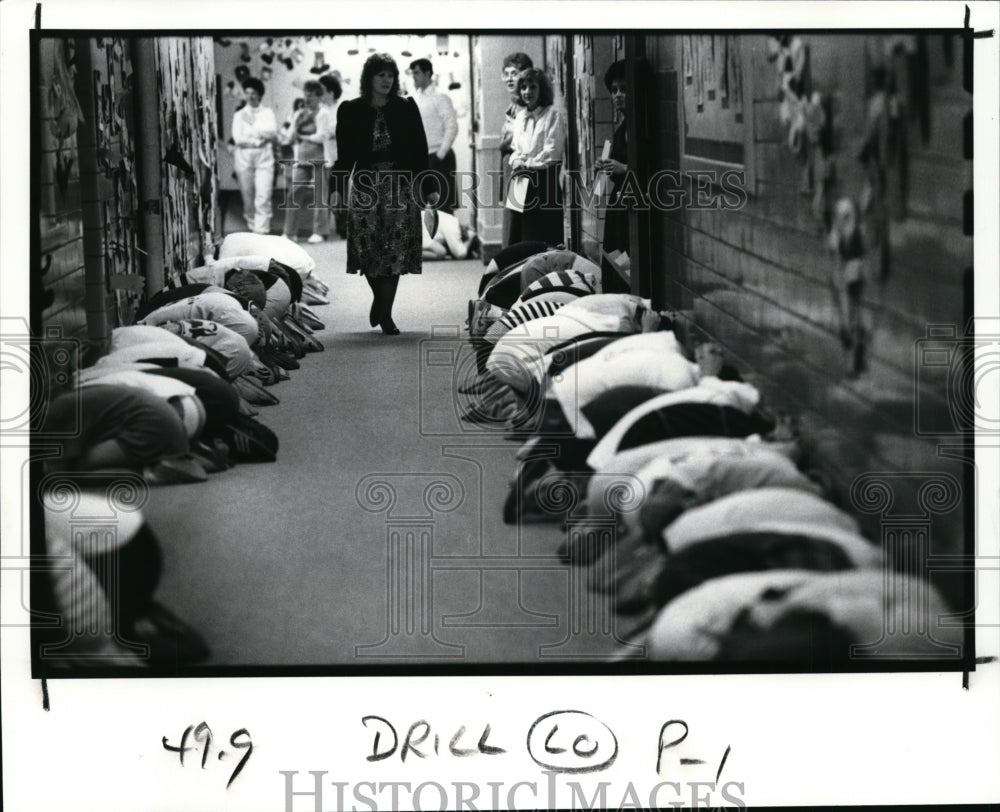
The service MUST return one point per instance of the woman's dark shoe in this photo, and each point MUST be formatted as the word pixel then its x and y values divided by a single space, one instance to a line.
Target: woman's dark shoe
pixel 389 327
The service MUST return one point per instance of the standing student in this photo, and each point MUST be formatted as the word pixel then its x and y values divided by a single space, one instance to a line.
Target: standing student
pixel 331 101
pixel 538 142
pixel 615 165
pixel 309 130
pixel 254 132
pixel 441 127
pixel 382 147
pixel 513 64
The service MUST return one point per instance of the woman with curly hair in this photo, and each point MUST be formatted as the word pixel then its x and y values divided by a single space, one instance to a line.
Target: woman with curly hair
pixel 254 132
pixel 538 143
pixel 381 148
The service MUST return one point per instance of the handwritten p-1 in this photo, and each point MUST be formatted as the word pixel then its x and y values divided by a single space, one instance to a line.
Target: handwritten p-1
pixel 203 733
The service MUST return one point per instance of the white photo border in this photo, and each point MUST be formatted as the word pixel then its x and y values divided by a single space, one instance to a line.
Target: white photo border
pixel 915 738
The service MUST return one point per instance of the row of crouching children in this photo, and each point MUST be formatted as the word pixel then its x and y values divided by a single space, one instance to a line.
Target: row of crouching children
pixel 680 493
pixel 173 399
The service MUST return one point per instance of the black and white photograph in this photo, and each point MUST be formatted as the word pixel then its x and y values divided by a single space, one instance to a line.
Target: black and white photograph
pixel 389 350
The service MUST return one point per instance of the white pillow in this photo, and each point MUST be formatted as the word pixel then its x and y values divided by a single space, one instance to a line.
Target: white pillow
pixel 519 356
pixel 757 510
pixel 245 243
pixel 141 334
pixel 179 351
pixel 707 468
pixel 623 305
pixel 736 394
pixel 252 262
pixel 214 271
pixel 692 626
pixel 582 382
pixel 92 374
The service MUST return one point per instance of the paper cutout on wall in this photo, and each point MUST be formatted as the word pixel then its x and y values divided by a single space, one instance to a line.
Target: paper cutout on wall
pixel 64 165
pixel 847 241
pixel 319 64
pixel 64 108
pixel 174 157
pixel 712 92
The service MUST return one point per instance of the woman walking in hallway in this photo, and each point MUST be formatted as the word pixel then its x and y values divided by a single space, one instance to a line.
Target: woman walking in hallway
pixel 254 132
pixel 382 147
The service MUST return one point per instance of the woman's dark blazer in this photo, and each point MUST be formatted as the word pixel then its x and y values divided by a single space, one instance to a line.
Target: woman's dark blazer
pixel 356 123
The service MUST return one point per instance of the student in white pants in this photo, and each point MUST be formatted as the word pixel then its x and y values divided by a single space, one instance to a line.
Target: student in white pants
pixel 443 237
pixel 255 130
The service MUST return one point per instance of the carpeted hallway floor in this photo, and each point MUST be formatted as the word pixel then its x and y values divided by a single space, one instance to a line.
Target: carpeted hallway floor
pixel 288 563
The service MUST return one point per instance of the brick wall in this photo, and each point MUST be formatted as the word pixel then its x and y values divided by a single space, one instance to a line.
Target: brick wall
pixel 759 278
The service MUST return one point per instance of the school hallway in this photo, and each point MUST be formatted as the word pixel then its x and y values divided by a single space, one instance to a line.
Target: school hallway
pixel 282 564
pixel 829 260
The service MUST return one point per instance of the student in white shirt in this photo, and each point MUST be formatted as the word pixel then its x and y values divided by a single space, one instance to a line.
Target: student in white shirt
pixel 538 142
pixel 311 127
pixel 441 128
pixel 513 64
pixel 255 130
pixel 442 237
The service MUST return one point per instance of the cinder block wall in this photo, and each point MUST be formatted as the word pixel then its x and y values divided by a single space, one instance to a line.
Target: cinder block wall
pixel 758 279
pixel 60 215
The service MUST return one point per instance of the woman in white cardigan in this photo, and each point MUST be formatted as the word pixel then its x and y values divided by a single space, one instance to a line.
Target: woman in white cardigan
pixel 538 142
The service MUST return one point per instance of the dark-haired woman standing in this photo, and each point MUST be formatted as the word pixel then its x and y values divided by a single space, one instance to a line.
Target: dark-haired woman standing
pixel 616 165
pixel 382 147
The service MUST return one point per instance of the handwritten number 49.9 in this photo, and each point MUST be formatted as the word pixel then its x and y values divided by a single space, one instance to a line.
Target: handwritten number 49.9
pixel 203 734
